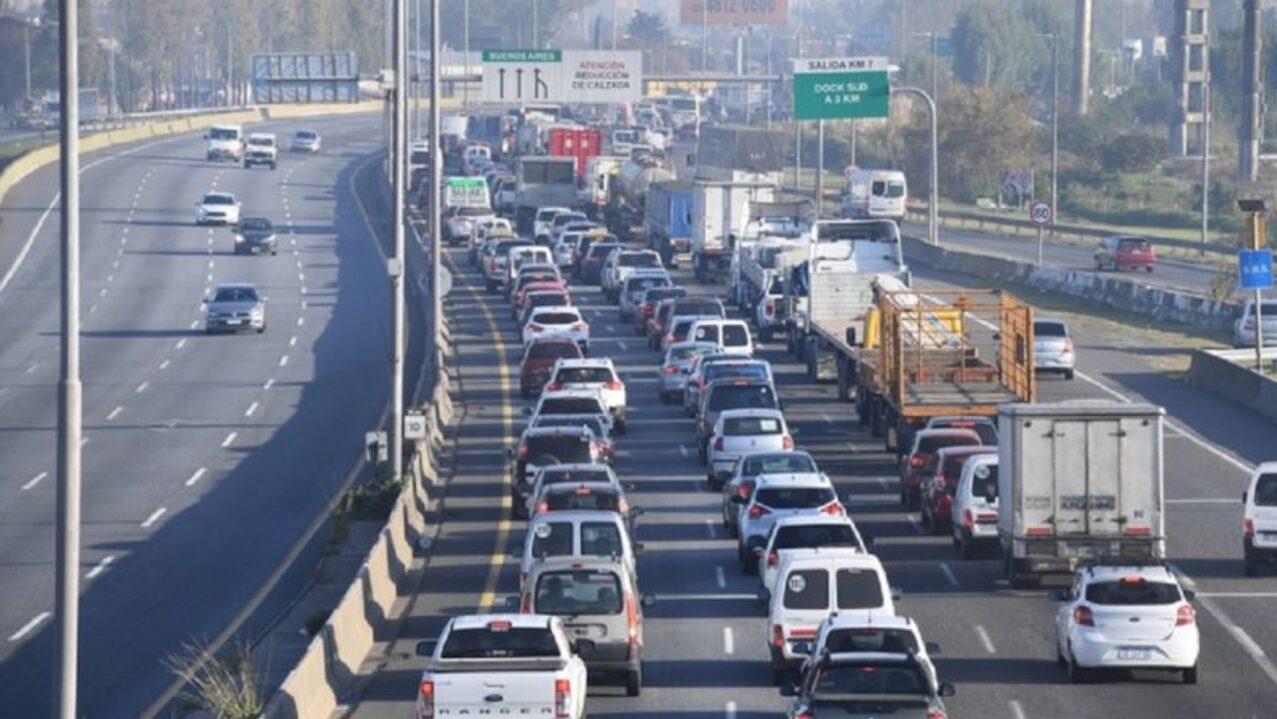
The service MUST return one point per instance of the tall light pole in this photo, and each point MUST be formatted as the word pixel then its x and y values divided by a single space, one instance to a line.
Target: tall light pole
pixel 935 61
pixel 933 194
pixel 536 25
pixel 415 93
pixel 465 51
pixel 436 185
pixel 396 268
pixel 26 35
pixel 1205 163
pixel 1055 126
pixel 67 574
pixel 704 35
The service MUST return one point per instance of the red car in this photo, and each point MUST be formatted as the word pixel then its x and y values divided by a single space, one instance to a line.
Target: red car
pixel 538 362
pixel 1125 252
pixel 926 443
pixel 940 483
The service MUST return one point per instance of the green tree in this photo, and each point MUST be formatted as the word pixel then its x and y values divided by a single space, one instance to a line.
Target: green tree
pixel 648 28
pixel 994 44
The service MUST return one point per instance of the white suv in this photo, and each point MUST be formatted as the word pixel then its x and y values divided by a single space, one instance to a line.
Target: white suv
pixel 1259 518
pixel 776 496
pixel 592 374
pixel 974 514
pixel 261 150
pixel 743 431
pixel 1126 617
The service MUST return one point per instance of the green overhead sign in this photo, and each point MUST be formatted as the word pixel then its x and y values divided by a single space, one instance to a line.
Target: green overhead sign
pixel 523 56
pixel 841 89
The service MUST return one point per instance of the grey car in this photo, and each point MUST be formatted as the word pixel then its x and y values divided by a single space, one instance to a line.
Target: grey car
pixel 255 235
pixel 1053 347
pixel 859 685
pixel 234 308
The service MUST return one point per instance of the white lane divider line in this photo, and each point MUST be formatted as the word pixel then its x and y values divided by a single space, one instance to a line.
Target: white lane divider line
pixel 720 577
pixel 682 448
pixel 269 383
pixel 93 308
pixel 709 527
pixel 142 387
pixel 84 440
pixel 1250 645
pixel 29 626
pixel 164 364
pixel 102 292
pixel 301 321
pixel 625 346
pixel 916 526
pixel 825 416
pixel 230 439
pixel 34 481
pixel 1017 711
pixel 985 640
pixel 251 409
pixel 949 575
pixel 730 710
pixel 155 517
pixel 196 476
pixel 292 341
pixel 114 413
pixel 32 368
pixel 729 641
pixel 180 344
pixel 196 323
pixel 283 360
pixel 100 567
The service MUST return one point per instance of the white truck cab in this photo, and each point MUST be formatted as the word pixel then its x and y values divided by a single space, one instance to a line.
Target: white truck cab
pixel 261 149
pixel 225 142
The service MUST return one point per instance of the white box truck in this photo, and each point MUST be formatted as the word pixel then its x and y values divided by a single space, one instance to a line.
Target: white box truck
pixel 720 212
pixel 1078 482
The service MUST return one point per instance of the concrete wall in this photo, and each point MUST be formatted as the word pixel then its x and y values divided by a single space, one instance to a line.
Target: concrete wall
pixel 1231 375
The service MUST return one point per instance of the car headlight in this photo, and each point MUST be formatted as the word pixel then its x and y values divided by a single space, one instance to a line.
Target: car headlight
pixel 256 312
pixel 239 239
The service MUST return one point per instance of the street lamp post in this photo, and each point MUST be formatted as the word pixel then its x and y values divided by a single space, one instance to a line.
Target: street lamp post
pixel 396 266
pixel 1055 126
pixel 935 61
pixel 933 195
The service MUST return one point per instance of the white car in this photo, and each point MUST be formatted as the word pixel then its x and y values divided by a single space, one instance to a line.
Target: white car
pixel 488 226
pixel 562 220
pixel 541 221
pixel 564 249
pixel 1244 327
pixel 743 431
pixel 306 141
pixel 571 402
pixel 460 222
pixel 261 150
pixel 592 374
pixel 776 496
pixel 716 365
pixel 677 363
pixel 975 506
pixel 575 473
pixel 631 291
pixel 731 335
pixel 738 487
pixel 579 533
pixel 558 322
pixel 1053 349
pixel 1126 617
pixel 810 585
pixel 516 664
pixel 225 142
pixel 621 264
pixel 803 532
pixel 1259 518
pixel 217 208
pixel 856 634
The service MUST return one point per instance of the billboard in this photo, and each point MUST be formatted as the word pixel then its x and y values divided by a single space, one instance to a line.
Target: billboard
pixel 578 76
pixel 734 12
pixel 305 77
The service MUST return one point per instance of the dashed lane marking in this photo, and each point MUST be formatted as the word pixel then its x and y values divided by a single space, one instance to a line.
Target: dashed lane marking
pixel 155 517
pixel 196 476
pixel 34 481
pixel 985 640
pixel 100 567
pixel 29 626
pixel 230 439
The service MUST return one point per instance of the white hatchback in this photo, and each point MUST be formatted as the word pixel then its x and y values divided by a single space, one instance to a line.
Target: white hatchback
pixel 565 322
pixel 592 374
pixel 739 432
pixel 974 517
pixel 776 496
pixel 803 532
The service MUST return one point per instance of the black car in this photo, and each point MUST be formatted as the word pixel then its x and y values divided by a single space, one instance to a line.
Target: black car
pixel 254 235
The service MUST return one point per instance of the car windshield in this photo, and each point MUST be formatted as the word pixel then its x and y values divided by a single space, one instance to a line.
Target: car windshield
pixel 556 318
pixel 638 259
pixel 685 353
pixel 858 589
pixel 1049 329
pixel 1132 590
pixel 746 396
pixel 935 443
pixel 571 405
pixel 504 246
pixel 582 498
pixel 567 449
pixel 584 375
pixel 807 589
pixel 255 224
pixel 222 133
pixel 499 640
pixel 635 285
pixel 871 639
pixel 1266 491
pixel 305 135
pixel 261 141
pixel 778 464
pixel 794 497
pixel 889 679
pixel 235 294
pixel 804 536
pixel 578 592
pixel 735 335
pixel 219 200
pixel 731 370
pixel 751 426
pixel 553 350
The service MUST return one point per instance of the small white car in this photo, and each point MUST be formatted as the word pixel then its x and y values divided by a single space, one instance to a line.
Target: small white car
pixel 570 402
pixel 597 374
pixel 580 533
pixel 217 208
pixel 306 141
pixel 562 220
pixel 488 226
pixel 1053 349
pixel 975 506
pixel 1259 518
pixel 261 149
pixel 857 634
pixel 564 249
pixel 731 335
pixel 738 488
pixel 678 362
pixel 631 294
pixel 1244 327
pixel 803 532
pixel 575 473
pixel 559 322
pixel 527 256
pixel 1126 617
pixel 743 431
pixel 776 496
pixel 460 222
pixel 541 221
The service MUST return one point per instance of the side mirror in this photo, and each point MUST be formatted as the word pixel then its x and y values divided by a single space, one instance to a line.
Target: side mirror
pixel 583 647
pixel 512 602
pixel 896 594
pixel 1190 595
pixel 426 648
pixel 648 601
pixel 947 690
pixel 932 648
pixel 637 511
pixel 637 547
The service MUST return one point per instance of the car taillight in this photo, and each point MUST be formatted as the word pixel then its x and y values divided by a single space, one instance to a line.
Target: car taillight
pixel 669 338
pixel 622 506
pixel 426 690
pixel 542 507
pixel 778 636
pixel 671 369
pixel 787 442
pixel 917 460
pixel 773 558
pixel 758 510
pixel 1139 531
pixel 742 490
pixel 562 695
pixel 526 606
pixel 578 326
pixel 833 509
pixel 718 445
pixel 1248 528
pixel 614 386
pixel 535 327
pixel 553 387
pixel 1083 616
pixel 1068 345
pixel 1185 615
pixel 523 451
pixel 492 264
pixel 631 619
pixel 1037 532
pixel 936 714
pixel 804 714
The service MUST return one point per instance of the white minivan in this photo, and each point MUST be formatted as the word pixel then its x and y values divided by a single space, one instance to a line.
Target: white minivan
pixel 1259 518
pixel 974 517
pixel 811 585
pixel 731 335
pixel 581 533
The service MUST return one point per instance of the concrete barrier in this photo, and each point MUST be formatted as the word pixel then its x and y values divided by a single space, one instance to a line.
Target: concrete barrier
pixel 1121 292
pixel 1231 375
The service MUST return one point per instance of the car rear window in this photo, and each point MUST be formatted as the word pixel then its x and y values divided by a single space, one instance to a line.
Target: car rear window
pixel 591 422
pixel 552 539
pixel 683 353
pixel 987 432
pixel 638 259
pixel 735 336
pixel 1267 309
pixel 600 539
pixel 931 445
pixel 698 306
pixel 1266 491
pixel 705 333
pixel 794 497
pixel 571 405
pixel 600 250
pixel 858 589
pixel 1050 329
pixel 725 370
pixel 872 639
pixel 1133 245
pixel 953 470
pixel 556 318
pixel 665 292
pixel 748 396
pixel 815 535
pixel 877 679
pixel 778 464
pixel 751 426
pixel 985 478
pixel 553 350
pixel 807 589
pixel 584 375
pixel 548 299
pixel 563 450
pixel 503 643
pixel 578 592
pixel 582 498
pixel 1132 591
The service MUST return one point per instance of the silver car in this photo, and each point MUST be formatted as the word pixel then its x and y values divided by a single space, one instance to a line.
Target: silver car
pixel 678 362
pixel 234 307
pixel 1244 327
pixel 255 235
pixel 1053 347
pixel 635 285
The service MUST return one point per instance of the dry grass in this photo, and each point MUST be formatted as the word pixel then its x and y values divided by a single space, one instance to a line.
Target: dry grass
pixel 226 688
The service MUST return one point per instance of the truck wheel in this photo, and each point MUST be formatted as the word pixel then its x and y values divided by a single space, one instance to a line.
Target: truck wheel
pixel 862 407
pixel 875 417
pixel 891 434
pixel 765 334
pixel 634 682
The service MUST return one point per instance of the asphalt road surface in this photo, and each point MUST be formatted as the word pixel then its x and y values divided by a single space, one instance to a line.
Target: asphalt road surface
pixel 206 458
pixel 705 638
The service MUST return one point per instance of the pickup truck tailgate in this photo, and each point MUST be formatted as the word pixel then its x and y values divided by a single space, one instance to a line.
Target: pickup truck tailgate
pixel 519 694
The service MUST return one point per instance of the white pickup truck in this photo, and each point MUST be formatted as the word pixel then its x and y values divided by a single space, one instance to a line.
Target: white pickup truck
pixel 519 665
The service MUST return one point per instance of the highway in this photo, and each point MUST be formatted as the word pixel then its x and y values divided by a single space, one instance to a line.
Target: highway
pixel 206 458
pixel 705 638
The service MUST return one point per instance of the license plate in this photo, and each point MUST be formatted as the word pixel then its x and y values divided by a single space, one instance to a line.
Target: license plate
pixel 1132 655
pixel 234 322
pixel 800 647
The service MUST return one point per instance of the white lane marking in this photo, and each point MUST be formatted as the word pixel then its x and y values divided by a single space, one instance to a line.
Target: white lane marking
pixel 230 438
pixel 730 710
pixel 100 566
pixel 251 409
pixel 301 277
pixel 34 481
pixel 269 383
pixel 1017 711
pixel 1247 643
pixel 303 289
pixel 825 416
pixel 209 278
pixel 914 521
pixel 301 321
pixel 155 517
pixel 164 364
pixel 196 476
pixel 196 323
pixel 110 278
pixel 885 484
pixel 625 347
pixel 611 328
pixel 180 344
pixel 84 440
pixel 720 577
pixel 210 264
pixel 1239 595
pixel 32 368
pixel 682 448
pixel 985 640
pixel 949 575
pixel 283 360
pixel 709 527
pixel 102 292
pixel 142 387
pixel 1205 500
pixel 93 308
pixel 115 264
pixel 29 626
pixel 729 641
pixel 292 341
pixel 114 413
pixel 1254 650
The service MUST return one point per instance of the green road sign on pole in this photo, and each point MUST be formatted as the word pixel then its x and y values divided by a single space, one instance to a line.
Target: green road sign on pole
pixel 841 88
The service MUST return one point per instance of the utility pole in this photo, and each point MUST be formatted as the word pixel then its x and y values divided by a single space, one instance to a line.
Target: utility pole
pixel 230 66
pixel 933 195
pixel 1082 65
pixel 26 32
pixel 798 126
pixel 820 167
pixel 436 186
pixel 704 35
pixel 465 51
pixel 536 41
pixel 1252 47
pixel 1205 164
pixel 396 269
pixel 415 94
pixel 1055 126
pixel 67 574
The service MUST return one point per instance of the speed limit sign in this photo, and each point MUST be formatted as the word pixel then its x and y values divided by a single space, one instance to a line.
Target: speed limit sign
pixel 1041 214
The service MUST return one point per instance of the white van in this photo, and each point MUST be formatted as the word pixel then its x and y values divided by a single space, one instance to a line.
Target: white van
pixel 875 195
pixel 582 533
pixel 975 506
pixel 811 585
pixel 225 142
pixel 732 336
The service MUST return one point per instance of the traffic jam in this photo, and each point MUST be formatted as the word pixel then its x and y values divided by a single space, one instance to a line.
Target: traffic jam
pixel 702 271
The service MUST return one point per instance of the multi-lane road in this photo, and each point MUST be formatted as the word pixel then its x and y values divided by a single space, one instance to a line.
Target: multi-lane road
pixel 705 638
pixel 206 458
